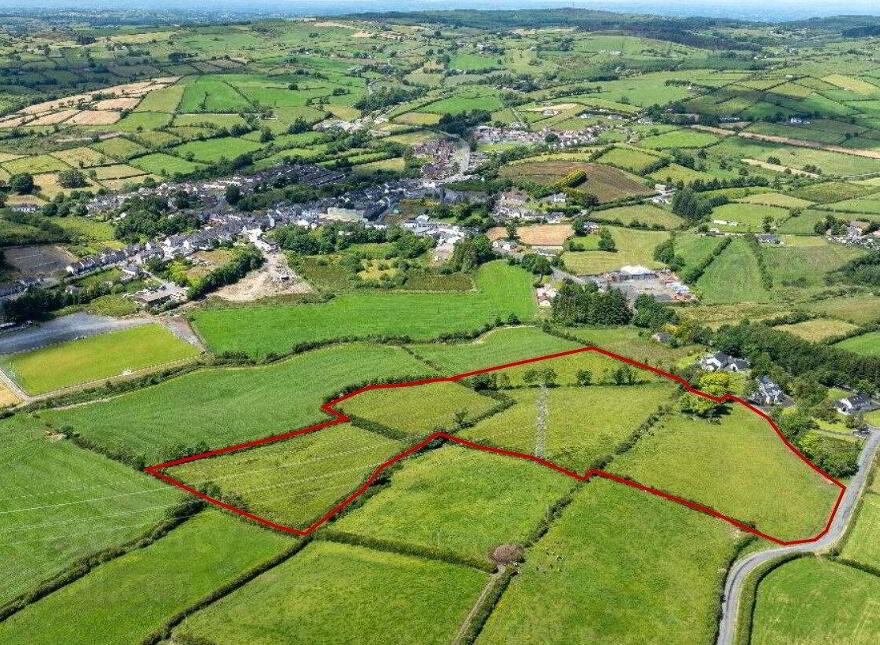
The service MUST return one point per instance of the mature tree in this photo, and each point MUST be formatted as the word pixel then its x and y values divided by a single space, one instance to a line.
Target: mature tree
pixel 22 183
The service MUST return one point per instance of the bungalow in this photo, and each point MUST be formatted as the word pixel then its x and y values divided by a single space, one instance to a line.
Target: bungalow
pixel 855 404
pixel 768 238
pixel 768 392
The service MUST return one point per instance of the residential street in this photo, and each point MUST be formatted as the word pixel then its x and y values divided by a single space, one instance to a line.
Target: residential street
pixel 741 569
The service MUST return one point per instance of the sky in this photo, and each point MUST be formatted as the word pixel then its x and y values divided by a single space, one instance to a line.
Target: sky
pixel 745 9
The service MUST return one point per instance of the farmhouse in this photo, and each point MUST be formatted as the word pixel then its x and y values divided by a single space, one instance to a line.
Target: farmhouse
pixel 768 238
pixel 855 404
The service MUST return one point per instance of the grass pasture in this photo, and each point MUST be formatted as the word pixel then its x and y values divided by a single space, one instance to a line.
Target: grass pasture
pixel 226 406
pixel 297 480
pixel 739 467
pixel 418 410
pixel 338 594
pixel 866 344
pixel 460 499
pixel 502 290
pixel 644 213
pixel 733 277
pixel 859 310
pixel 117 599
pixel 583 426
pixel 94 358
pixel 795 600
pixel 818 329
pixel 611 533
pixel 634 246
pixel 861 544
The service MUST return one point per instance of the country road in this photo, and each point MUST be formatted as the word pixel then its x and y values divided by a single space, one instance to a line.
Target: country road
pixel 741 569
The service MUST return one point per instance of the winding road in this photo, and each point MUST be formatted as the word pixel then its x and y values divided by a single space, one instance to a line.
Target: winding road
pixel 741 569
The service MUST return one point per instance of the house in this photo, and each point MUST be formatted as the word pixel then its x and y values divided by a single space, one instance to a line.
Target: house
pixel 768 238
pixel 768 392
pixel 545 294
pixel 855 404
pixel 555 198
pixel 636 272
pixel 722 361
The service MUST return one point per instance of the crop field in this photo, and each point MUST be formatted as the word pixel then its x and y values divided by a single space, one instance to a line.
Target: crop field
pixel 545 234
pixel 502 290
pixel 297 480
pixel 733 277
pixel 419 410
pixel 633 247
pixel 459 499
pixel 733 466
pixel 795 600
pixel 866 344
pixel 206 405
pixel 119 599
pixel 818 329
pixel 606 183
pixel 336 594
pixel 576 438
pixel 608 534
pixel 98 357
pixel 62 503
pixel 782 200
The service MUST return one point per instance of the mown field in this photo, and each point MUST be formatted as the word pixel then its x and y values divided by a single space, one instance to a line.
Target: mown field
pixel 225 406
pixel 611 554
pixel 739 467
pixel 503 290
pixel 132 597
pixel 818 329
pixel 795 602
pixel 861 544
pixel 732 277
pixel 338 594
pixel 98 357
pixel 866 344
pixel 633 247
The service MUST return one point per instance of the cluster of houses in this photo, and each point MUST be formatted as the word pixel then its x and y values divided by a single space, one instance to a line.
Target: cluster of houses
pixel 563 138
pixel 441 153
pixel 664 194
pixel 859 233
pixel 444 234
pixel 636 280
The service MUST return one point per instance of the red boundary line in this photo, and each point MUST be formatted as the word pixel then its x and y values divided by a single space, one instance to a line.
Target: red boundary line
pixel 340 417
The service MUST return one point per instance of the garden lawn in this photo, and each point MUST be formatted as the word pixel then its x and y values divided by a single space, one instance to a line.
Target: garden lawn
pixel 460 499
pixel 230 405
pixel 739 467
pixel 584 424
pixel 98 357
pixel 297 480
pixel 862 544
pixel 418 410
pixel 61 503
pixel 129 598
pixel 338 594
pixel 866 344
pixel 603 565
pixel 633 247
pixel 503 290
pixel 813 600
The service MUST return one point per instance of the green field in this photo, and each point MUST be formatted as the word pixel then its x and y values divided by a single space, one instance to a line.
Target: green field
pixel 818 329
pixel 795 601
pixel 297 480
pixel 866 344
pixel 643 213
pixel 339 594
pixel 806 263
pixel 861 544
pixel 459 499
pixel 61 503
pixel 503 290
pixel 418 410
pixel 214 150
pixel 634 246
pixel 95 358
pixel 585 423
pixel 857 309
pixel 733 276
pixel 164 164
pixel 612 553
pixel 133 596
pixel 739 467
pixel 210 405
